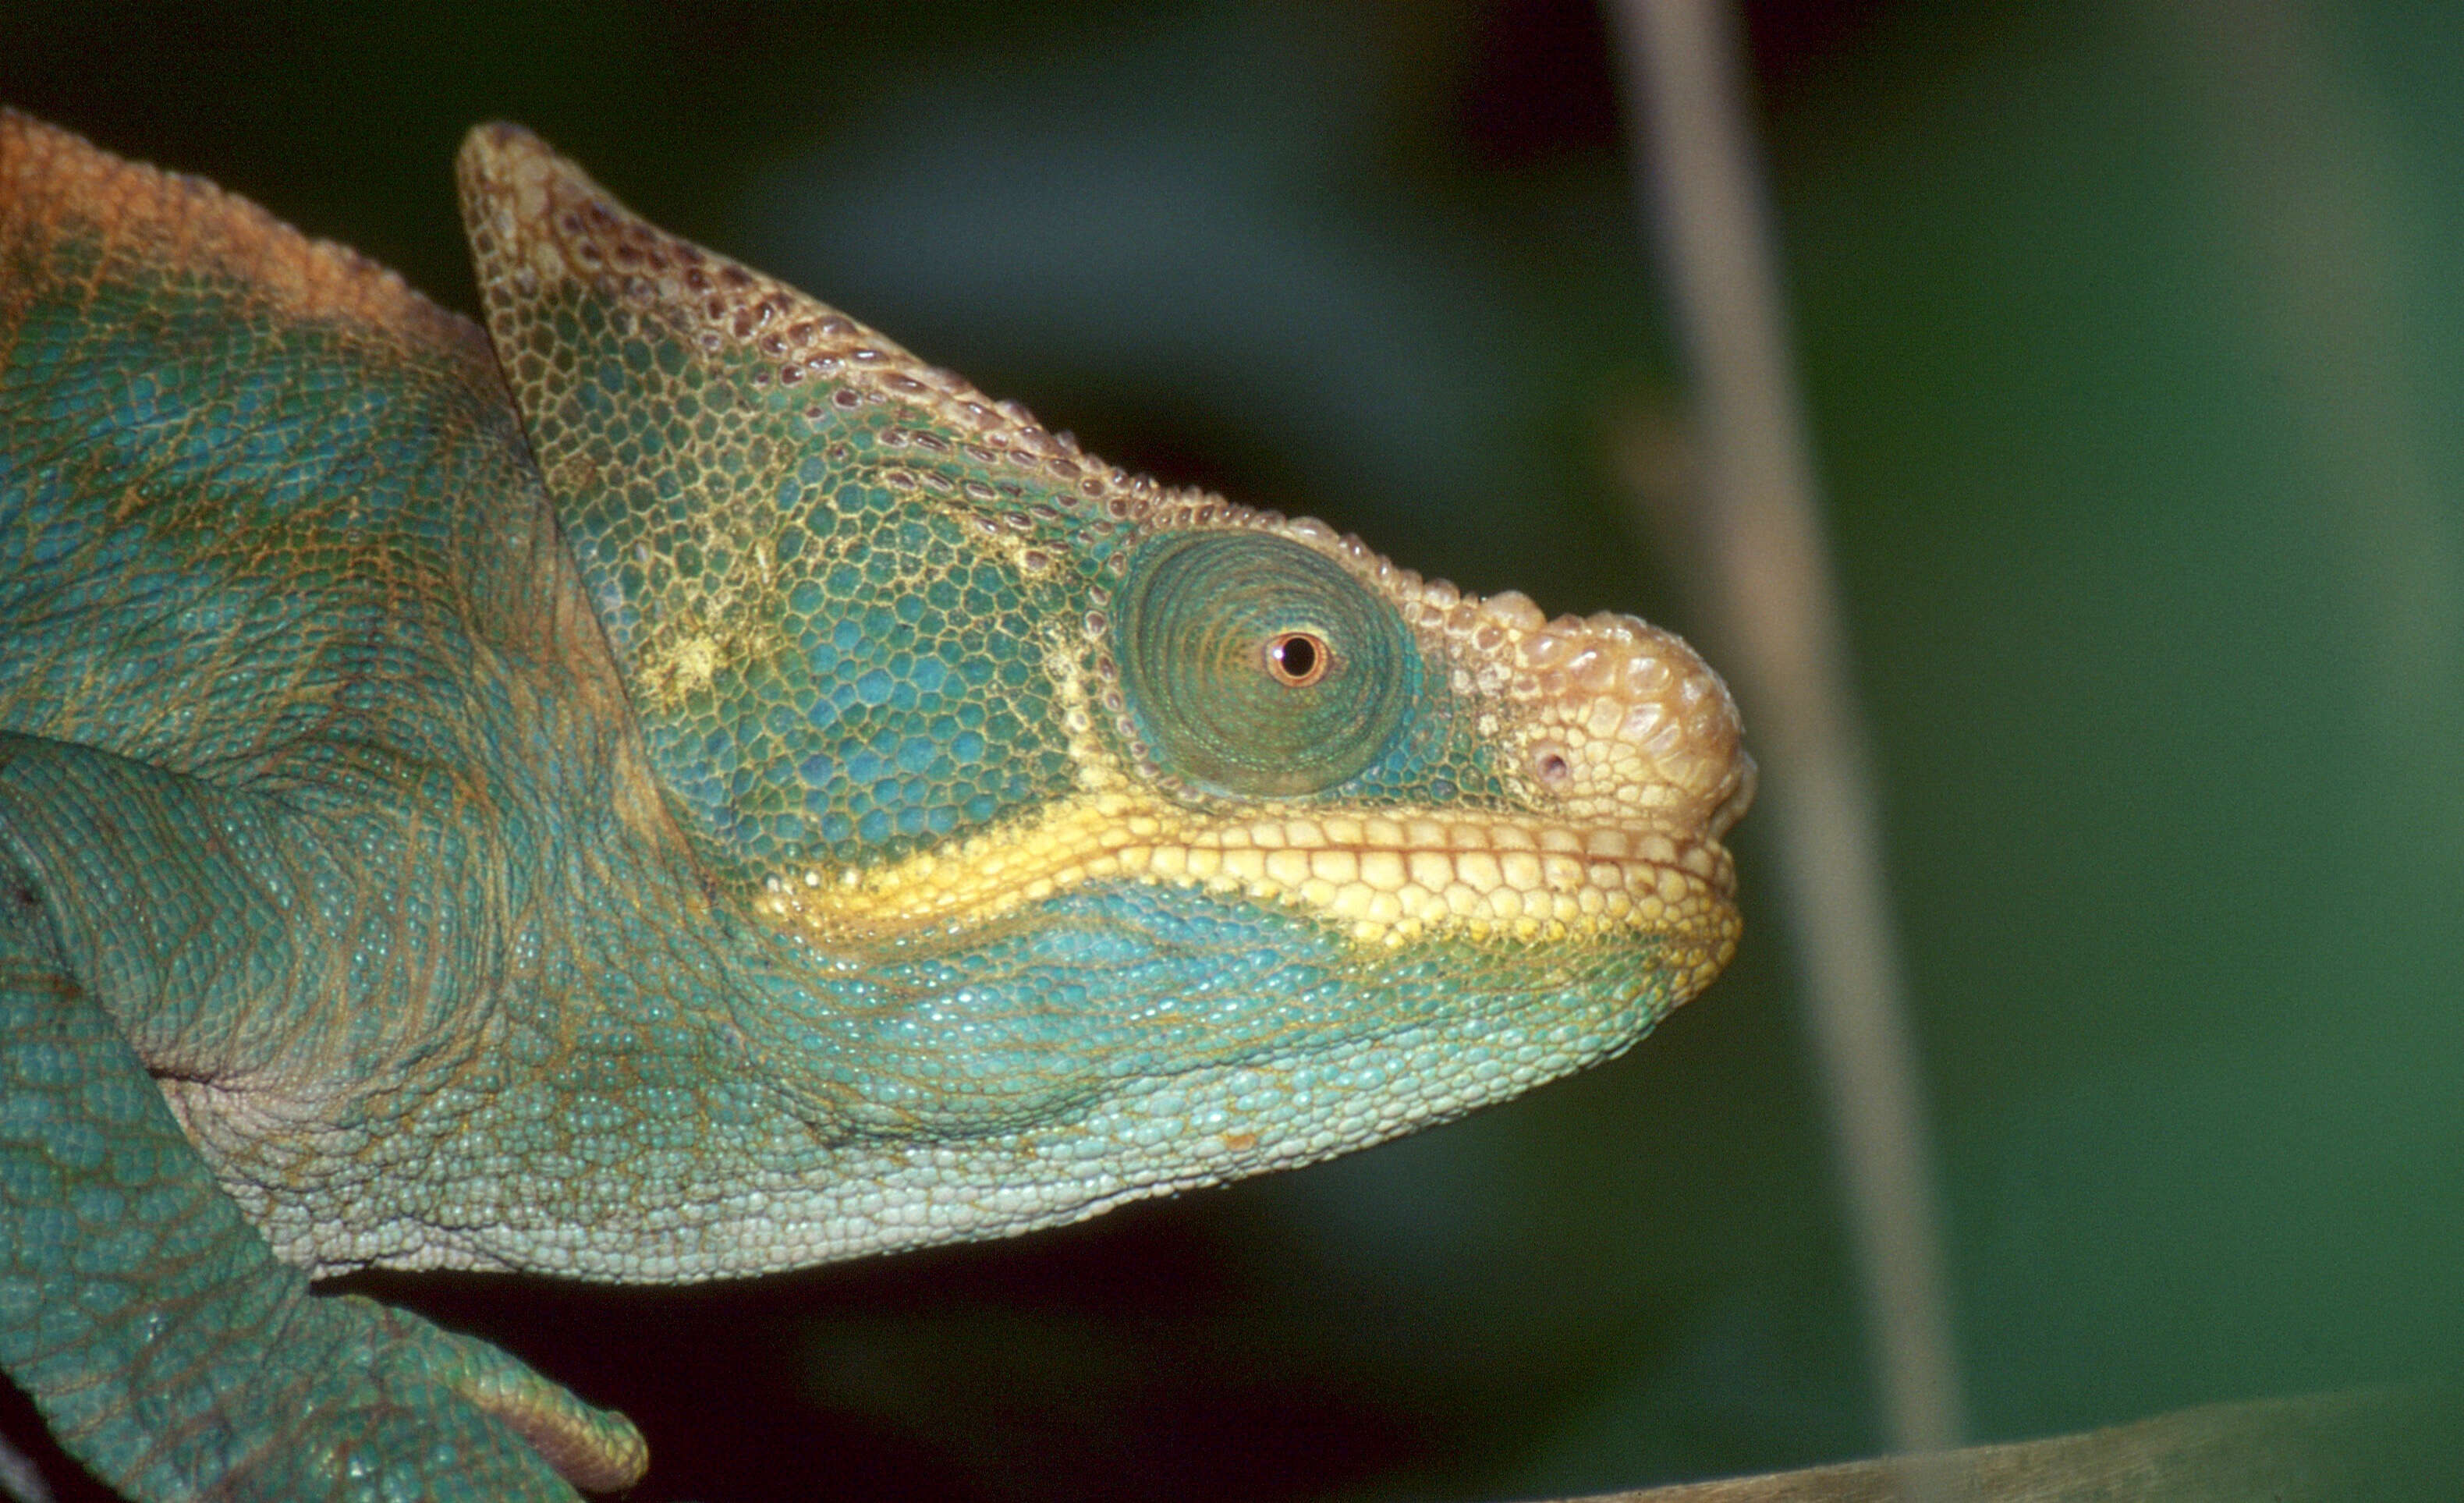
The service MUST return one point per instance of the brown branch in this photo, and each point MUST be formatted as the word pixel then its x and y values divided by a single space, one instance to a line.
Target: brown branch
pixel 2324 1448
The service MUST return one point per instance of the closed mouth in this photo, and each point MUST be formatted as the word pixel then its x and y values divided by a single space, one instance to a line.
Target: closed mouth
pixel 1385 879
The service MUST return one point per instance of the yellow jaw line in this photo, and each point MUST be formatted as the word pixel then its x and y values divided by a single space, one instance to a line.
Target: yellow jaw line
pixel 1387 878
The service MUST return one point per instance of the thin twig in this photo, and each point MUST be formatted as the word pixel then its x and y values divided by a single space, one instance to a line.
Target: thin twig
pixel 1776 617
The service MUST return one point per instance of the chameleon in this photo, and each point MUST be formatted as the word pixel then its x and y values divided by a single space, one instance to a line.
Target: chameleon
pixel 663 784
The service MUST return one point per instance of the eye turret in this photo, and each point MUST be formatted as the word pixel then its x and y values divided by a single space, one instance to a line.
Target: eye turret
pixel 1256 666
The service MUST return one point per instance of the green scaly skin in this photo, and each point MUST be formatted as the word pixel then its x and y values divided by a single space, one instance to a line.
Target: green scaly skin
pixel 673 786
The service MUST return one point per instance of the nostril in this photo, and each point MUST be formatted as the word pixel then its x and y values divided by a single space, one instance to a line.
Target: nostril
pixel 1551 764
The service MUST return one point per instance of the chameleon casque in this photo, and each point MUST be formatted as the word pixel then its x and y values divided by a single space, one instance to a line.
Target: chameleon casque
pixel 673 786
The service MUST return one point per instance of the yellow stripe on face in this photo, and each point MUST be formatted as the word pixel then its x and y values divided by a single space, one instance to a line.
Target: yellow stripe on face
pixel 1387 878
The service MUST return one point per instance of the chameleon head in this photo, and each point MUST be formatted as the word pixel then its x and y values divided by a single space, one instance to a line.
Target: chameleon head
pixel 1077 810
pixel 1256 706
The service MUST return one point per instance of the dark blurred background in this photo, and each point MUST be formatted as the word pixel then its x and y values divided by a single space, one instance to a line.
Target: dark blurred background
pixel 2130 336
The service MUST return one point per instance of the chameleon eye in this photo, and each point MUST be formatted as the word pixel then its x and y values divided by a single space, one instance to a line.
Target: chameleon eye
pixel 1203 612
pixel 1298 659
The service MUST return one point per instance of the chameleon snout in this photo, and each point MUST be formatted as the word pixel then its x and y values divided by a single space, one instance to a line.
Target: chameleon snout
pixel 1616 724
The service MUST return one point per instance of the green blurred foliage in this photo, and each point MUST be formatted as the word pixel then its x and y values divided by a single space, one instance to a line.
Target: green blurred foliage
pixel 2131 344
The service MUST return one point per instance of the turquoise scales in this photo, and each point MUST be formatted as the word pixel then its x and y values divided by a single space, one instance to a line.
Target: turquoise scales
pixel 674 786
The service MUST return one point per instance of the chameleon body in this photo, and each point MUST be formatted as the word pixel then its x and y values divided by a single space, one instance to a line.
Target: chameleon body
pixel 674 787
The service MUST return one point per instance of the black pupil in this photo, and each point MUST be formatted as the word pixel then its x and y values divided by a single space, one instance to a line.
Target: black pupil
pixel 1296 656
